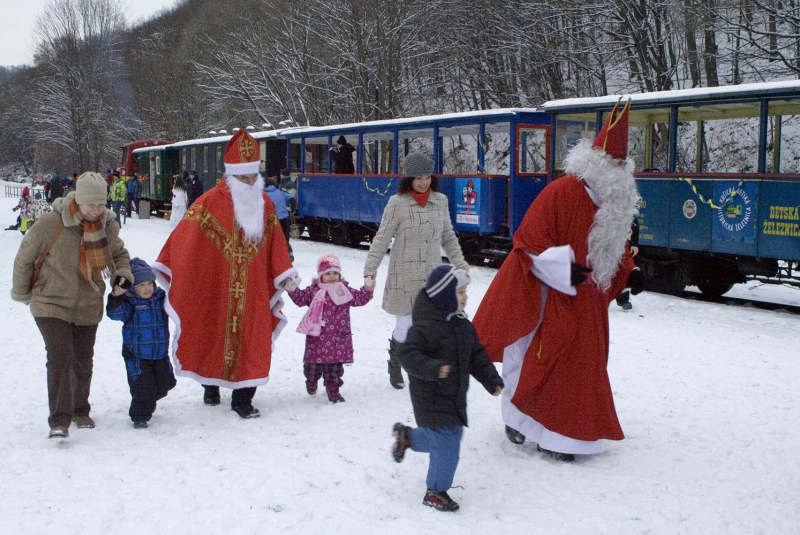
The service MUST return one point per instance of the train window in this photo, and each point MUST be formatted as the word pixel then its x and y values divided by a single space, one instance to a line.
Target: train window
pixel 718 146
pixel 378 153
pixel 205 159
pixel 532 150
pixel 193 158
pixel 783 153
pixel 220 161
pixel 567 135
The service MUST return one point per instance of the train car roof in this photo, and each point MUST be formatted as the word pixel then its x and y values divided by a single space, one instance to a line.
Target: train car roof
pixel 450 121
pixel 724 102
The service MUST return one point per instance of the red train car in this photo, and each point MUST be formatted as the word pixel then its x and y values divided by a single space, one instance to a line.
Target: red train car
pixel 128 164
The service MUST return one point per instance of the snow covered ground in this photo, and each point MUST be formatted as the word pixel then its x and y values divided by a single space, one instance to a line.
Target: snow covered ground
pixel 708 396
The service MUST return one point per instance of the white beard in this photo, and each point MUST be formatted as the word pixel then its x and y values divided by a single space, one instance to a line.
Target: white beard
pixel 248 206
pixel 615 188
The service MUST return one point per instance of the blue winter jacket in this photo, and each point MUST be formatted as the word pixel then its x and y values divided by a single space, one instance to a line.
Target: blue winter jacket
pixel 145 334
pixel 279 199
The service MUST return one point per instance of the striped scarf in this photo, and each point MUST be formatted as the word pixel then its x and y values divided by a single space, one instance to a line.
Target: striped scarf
pixel 96 261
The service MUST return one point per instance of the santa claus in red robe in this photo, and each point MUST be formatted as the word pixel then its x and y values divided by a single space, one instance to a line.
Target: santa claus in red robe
pixel 545 315
pixel 224 268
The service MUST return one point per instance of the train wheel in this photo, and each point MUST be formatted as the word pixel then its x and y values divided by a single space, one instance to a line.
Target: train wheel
pixel 715 289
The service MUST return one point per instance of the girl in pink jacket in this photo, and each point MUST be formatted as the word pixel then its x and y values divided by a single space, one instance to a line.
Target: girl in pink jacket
pixel 329 341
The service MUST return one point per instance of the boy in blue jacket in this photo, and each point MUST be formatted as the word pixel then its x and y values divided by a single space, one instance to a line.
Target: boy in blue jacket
pixel 145 341
pixel 440 353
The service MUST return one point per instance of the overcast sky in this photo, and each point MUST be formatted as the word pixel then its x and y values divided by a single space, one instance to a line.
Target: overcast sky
pixel 18 37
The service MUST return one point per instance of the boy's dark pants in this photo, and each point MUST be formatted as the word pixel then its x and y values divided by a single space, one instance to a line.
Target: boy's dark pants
pixel 444 445
pixel 70 351
pixel 155 379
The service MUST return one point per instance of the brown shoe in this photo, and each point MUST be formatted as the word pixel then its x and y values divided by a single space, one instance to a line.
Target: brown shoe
pixel 58 432
pixel 83 422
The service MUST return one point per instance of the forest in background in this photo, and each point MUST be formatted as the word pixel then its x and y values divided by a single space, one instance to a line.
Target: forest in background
pixel 97 83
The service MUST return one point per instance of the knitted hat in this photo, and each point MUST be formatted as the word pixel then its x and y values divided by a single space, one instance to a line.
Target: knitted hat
pixel 142 272
pixel 26 191
pixel 417 164
pixel 341 141
pixel 327 263
pixel 442 285
pixel 91 188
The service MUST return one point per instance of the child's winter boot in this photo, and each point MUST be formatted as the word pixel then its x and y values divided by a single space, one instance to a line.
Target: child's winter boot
pixel 441 501
pixel 402 441
pixel 333 394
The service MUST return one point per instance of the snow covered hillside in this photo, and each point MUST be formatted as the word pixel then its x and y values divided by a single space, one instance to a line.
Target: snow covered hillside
pixel 707 395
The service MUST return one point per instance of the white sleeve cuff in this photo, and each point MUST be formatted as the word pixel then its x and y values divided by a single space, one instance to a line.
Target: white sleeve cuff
pixel 553 267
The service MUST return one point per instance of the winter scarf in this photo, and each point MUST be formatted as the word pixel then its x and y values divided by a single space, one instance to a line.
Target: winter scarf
pixel 312 322
pixel 96 260
pixel 421 198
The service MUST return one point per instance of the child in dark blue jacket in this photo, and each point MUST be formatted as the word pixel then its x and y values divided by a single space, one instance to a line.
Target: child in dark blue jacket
pixel 440 353
pixel 145 341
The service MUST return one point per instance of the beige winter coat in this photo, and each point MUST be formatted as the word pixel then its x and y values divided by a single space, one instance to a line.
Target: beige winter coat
pixel 61 291
pixel 419 234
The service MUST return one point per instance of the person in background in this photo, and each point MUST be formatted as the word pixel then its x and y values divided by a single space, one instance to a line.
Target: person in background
pixel 342 155
pixel 132 190
pixel 56 189
pixel 441 352
pixel 281 200
pixel 117 194
pixel 66 300
pixel 624 299
pixel 180 201
pixel 194 186
pixel 418 218
pixel 145 341
pixel 329 340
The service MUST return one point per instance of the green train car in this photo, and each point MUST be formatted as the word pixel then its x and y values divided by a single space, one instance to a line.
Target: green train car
pixel 157 168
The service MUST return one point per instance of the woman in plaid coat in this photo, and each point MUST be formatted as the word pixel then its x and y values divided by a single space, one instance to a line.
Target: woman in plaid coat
pixel 418 218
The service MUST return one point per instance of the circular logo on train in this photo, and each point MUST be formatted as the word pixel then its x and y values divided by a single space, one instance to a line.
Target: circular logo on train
pixel 689 209
pixel 735 209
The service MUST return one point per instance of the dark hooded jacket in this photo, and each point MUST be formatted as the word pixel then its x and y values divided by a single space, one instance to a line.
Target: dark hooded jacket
pixel 434 341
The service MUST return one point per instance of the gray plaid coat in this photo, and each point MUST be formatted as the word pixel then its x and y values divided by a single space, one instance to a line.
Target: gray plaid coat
pixel 418 234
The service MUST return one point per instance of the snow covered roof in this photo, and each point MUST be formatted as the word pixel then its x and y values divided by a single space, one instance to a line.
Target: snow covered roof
pixel 681 96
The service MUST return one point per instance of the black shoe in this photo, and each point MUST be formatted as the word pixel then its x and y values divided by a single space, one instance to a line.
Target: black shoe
pixel 402 434
pixel 139 424
pixel 626 306
pixel 246 411
pixel 211 395
pixel 440 501
pixel 515 436
pixel 558 456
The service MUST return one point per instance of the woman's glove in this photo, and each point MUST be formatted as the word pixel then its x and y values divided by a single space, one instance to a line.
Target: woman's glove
pixel 369 282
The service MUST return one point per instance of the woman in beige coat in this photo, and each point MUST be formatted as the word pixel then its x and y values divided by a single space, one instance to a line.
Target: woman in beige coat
pixel 418 219
pixel 67 299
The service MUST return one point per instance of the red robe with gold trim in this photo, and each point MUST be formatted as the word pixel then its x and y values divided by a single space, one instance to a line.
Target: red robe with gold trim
pixel 563 383
pixel 223 293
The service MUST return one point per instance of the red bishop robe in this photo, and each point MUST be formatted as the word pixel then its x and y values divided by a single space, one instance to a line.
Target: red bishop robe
pixel 563 382
pixel 223 293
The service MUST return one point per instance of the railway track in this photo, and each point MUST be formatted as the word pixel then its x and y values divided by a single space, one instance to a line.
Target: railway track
pixel 741 302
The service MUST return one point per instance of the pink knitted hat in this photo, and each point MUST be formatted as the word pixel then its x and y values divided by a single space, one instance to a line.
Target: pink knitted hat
pixel 328 262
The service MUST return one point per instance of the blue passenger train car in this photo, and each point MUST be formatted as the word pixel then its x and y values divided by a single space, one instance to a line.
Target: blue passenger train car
pixel 718 171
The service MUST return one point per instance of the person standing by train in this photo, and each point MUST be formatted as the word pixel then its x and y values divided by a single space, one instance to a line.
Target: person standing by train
pixel 194 186
pixel 281 200
pixel 66 300
pixel 117 194
pixel 180 201
pixel 342 155
pixel 624 299
pixel 133 189
pixel 545 314
pixel 418 218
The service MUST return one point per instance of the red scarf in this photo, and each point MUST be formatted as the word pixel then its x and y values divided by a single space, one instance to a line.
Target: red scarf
pixel 96 261
pixel 421 198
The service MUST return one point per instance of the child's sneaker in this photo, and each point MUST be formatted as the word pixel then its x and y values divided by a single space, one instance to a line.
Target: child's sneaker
pixel 311 388
pixel 58 432
pixel 83 422
pixel 440 501
pixel 402 441
pixel 139 424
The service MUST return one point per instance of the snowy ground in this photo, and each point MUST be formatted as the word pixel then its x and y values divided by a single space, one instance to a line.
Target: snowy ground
pixel 707 395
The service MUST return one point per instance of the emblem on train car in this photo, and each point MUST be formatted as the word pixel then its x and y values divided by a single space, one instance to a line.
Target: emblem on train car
pixel 689 209
pixel 735 211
